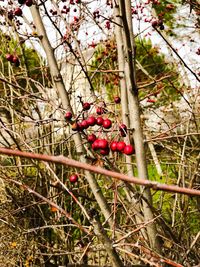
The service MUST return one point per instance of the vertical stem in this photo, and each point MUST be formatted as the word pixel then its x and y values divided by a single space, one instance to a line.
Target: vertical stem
pixel 135 122
pixel 125 109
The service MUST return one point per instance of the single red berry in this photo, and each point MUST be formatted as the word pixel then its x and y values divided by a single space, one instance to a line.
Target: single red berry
pixel 100 110
pixel 107 123
pixel 76 19
pixel 104 152
pixel 123 127
pixel 80 127
pixel 113 145
pixel 123 130
pixel 128 150
pixel 100 121
pixel 9 57
pixel 122 133
pixel 91 121
pixel 73 178
pixel 120 146
pixel 117 99
pixel 15 59
pixel 86 106
pixel 103 143
pixel 154 23
pixel 29 3
pixel 68 115
pixel 95 145
pixel 84 124
pixel 18 11
pixel 91 138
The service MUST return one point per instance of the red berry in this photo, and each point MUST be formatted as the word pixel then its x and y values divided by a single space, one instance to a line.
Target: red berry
pixel 123 130
pixel 128 150
pixel 120 146
pixel 29 3
pixel 113 146
pixel 73 178
pixel 154 23
pixel 68 115
pixel 117 99
pixel 95 145
pixel 86 106
pixel 99 110
pixel 100 121
pixel 91 138
pixel 18 12
pixel 122 133
pixel 107 123
pixel 9 57
pixel 91 121
pixel 15 59
pixel 103 143
pixel 104 152
pixel 84 124
pixel 80 126
pixel 123 127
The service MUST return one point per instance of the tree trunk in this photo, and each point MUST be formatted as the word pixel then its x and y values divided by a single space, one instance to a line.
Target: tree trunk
pixel 135 121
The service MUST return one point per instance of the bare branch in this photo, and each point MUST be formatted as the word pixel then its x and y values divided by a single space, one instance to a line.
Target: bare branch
pixel 70 162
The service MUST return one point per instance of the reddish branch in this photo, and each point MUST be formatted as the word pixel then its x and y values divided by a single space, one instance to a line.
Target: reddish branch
pixel 70 162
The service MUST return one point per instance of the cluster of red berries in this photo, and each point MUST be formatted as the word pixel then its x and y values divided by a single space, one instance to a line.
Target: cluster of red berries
pixel 101 144
pixel 26 2
pixel 90 121
pixel 18 11
pixel 13 59
pixel 104 147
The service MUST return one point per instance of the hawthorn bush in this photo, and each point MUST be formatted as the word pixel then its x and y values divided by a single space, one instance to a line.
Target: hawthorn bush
pixel 77 80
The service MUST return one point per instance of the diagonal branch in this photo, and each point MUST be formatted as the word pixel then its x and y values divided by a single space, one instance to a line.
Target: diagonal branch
pixel 85 166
